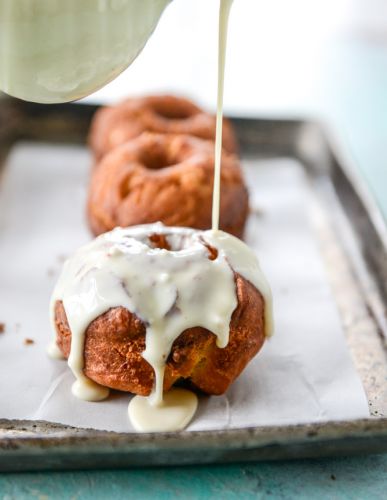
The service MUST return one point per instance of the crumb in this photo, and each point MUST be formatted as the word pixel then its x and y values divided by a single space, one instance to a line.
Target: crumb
pixel 50 272
pixel 28 341
pixel 61 257
pixel 333 477
pixel 256 210
pixel 2 327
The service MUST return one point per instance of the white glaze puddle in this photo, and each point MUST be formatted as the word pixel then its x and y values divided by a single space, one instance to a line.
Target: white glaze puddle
pixel 173 414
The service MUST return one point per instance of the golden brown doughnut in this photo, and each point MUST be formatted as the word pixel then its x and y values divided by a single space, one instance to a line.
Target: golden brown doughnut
pixel 167 178
pixel 165 114
pixel 115 340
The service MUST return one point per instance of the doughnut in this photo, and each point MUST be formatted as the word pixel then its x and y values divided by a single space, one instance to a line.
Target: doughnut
pixel 220 301
pixel 164 114
pixel 167 178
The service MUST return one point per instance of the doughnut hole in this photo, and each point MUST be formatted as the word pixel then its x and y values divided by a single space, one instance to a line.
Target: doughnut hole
pixel 159 241
pixel 177 111
pixel 156 159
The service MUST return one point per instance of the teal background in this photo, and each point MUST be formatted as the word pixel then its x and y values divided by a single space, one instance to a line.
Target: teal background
pixel 340 478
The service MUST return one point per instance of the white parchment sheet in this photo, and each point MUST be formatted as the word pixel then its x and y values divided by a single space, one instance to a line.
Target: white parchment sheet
pixel 303 374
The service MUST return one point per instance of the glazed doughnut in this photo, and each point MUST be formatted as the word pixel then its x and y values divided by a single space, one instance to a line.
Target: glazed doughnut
pixel 115 341
pixel 165 114
pixel 167 178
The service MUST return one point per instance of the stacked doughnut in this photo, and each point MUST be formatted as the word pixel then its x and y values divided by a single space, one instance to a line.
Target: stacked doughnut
pixel 154 161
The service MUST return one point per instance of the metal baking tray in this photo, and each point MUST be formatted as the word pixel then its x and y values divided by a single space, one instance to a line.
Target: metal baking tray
pixel 354 245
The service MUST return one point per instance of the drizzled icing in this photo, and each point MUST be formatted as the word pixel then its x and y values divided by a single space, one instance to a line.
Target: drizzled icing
pixel 169 290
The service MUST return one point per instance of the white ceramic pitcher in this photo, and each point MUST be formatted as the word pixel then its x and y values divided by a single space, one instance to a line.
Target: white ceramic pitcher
pixel 61 50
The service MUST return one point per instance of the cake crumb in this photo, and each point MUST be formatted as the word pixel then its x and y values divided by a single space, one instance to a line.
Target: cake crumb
pixel 2 327
pixel 28 341
pixel 257 211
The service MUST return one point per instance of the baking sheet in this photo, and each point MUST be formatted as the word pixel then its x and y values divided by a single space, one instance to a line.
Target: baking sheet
pixel 303 374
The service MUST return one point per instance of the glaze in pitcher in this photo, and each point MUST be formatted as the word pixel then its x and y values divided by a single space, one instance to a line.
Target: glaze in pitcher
pixel 55 51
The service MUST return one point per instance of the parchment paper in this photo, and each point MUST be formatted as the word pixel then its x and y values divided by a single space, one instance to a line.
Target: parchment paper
pixel 303 374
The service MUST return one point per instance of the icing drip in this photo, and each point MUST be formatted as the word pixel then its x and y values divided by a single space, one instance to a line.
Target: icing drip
pixel 53 351
pixel 244 262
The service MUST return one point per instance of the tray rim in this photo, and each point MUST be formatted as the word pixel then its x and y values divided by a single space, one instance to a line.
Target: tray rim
pixel 77 449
